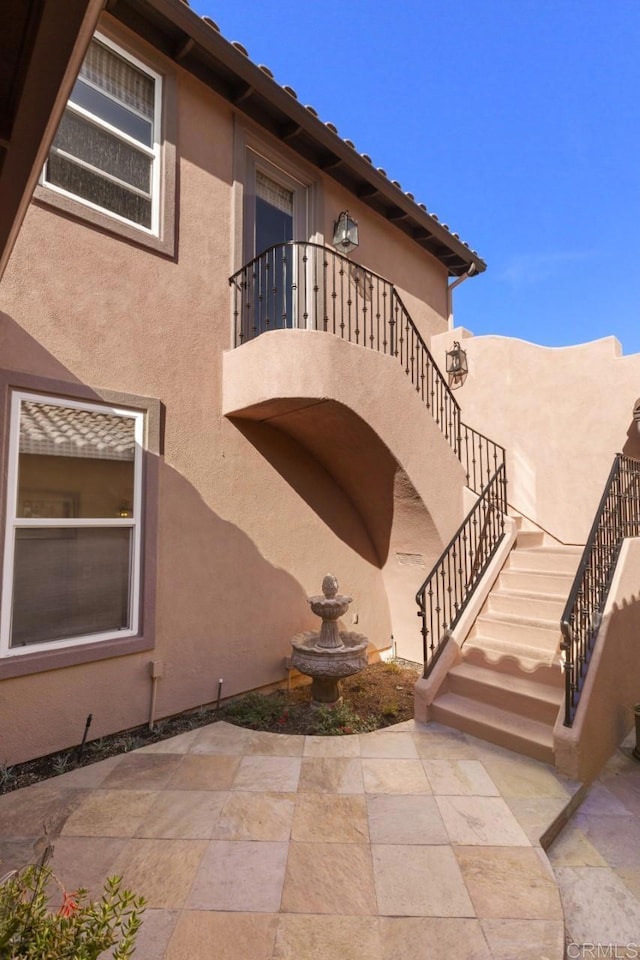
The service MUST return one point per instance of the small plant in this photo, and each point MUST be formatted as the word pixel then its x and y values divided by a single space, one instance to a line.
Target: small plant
pixel 79 929
pixel 62 763
pixel 129 741
pixel 390 709
pixel 339 720
pixel 7 774
pixel 199 716
pixel 392 667
pixel 256 710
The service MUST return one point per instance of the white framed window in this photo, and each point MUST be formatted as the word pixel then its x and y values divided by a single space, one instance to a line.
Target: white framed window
pixel 107 151
pixel 73 527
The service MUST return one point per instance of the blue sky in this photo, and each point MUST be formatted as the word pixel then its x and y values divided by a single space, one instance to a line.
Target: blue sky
pixel 516 121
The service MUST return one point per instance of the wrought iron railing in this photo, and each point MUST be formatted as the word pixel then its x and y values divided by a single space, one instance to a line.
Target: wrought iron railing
pixel 299 284
pixel 617 517
pixel 480 456
pixel 445 593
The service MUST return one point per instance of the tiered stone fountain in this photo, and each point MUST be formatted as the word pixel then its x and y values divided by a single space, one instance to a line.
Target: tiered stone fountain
pixel 329 655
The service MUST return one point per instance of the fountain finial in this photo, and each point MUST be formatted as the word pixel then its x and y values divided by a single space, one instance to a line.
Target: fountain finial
pixel 330 586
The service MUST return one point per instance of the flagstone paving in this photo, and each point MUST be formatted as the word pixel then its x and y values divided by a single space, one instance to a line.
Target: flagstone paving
pixel 596 861
pixel 412 843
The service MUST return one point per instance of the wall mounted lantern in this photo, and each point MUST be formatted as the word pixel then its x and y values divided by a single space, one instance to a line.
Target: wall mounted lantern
pixel 457 366
pixel 345 233
pixel 636 412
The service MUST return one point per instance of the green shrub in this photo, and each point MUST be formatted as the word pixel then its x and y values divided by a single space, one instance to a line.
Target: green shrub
pixel 341 719
pixel 391 667
pixel 390 709
pixel 79 930
pixel 257 710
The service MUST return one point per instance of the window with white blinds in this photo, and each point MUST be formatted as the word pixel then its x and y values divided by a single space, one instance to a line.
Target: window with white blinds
pixel 73 530
pixel 106 152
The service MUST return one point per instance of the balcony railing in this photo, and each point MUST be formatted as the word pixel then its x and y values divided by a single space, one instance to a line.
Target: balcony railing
pixel 617 517
pixel 299 284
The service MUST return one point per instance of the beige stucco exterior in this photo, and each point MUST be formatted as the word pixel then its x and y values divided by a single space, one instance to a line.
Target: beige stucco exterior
pixel 249 515
pixel 562 414
pixel 295 454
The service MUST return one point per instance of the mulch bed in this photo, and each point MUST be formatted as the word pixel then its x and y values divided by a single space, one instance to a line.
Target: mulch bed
pixel 379 696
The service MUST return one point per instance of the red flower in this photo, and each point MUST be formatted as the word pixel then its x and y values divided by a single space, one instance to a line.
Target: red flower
pixel 69 904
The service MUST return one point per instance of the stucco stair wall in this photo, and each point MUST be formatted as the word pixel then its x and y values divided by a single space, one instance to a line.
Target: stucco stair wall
pixel 356 412
pixel 508 686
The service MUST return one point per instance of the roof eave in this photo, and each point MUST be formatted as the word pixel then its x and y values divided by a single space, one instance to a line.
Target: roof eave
pixel 44 70
pixel 197 45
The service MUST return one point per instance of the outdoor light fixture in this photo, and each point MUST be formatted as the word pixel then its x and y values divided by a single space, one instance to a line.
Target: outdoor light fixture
pixel 636 412
pixel 345 233
pixel 457 367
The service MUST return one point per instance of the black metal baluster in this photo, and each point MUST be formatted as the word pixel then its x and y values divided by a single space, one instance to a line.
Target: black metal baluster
pixel 356 302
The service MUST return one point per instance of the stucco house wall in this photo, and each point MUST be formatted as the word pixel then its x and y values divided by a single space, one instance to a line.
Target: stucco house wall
pixel 247 518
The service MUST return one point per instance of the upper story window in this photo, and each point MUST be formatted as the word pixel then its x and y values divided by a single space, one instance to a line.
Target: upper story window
pixel 73 530
pixel 106 153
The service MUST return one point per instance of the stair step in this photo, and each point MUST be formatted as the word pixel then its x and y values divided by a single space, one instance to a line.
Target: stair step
pixel 526 605
pixel 527 655
pixel 545 559
pixel 546 671
pixel 523 523
pixel 502 727
pixel 521 694
pixel 517 518
pixel 529 538
pixel 534 581
pixel 530 631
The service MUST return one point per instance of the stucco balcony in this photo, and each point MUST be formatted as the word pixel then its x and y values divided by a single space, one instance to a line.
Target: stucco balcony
pixel 301 286
pixel 327 352
pixel 306 286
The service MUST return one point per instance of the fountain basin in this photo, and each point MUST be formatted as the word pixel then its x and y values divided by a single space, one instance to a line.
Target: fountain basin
pixel 330 608
pixel 327 667
pixel 329 655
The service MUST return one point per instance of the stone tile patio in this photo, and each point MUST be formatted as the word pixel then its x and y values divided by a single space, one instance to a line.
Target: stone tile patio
pixel 596 861
pixel 412 843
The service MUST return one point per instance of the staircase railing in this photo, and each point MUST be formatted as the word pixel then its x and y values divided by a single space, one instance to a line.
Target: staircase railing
pixel 617 517
pixel 300 284
pixel 446 592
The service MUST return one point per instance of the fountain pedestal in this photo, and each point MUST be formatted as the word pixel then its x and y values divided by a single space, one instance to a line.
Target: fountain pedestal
pixel 328 655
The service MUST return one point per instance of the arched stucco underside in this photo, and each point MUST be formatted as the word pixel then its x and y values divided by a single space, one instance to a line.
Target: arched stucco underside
pixel 355 412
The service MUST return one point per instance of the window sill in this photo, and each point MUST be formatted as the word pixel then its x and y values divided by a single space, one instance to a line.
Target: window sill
pixel 45 660
pixel 77 210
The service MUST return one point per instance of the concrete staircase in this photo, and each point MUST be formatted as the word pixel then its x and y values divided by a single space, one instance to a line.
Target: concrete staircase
pixel 508 687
